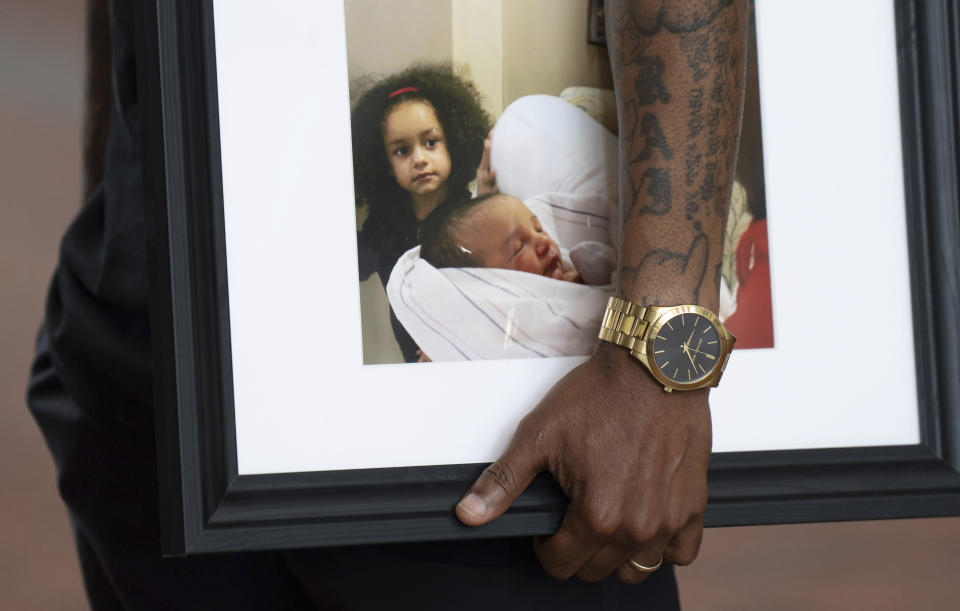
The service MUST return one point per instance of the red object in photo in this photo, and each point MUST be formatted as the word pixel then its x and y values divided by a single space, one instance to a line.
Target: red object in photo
pixel 752 323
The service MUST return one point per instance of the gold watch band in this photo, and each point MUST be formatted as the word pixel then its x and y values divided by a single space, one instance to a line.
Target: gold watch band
pixel 625 323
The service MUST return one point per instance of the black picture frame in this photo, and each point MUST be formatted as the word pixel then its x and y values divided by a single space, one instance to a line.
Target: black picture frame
pixel 207 507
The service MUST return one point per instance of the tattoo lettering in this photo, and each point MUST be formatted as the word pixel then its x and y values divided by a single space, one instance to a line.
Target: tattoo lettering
pixel 708 139
pixel 653 192
pixel 692 164
pixel 695 122
pixel 652 137
pixel 708 188
pixel 649 83
pixel 697 52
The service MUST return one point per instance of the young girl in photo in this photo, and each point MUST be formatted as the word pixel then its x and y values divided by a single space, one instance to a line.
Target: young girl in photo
pixel 420 137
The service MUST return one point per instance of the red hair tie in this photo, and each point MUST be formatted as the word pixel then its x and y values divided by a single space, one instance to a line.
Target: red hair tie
pixel 402 90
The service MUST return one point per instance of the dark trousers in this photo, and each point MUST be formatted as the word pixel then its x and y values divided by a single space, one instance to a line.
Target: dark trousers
pixel 107 476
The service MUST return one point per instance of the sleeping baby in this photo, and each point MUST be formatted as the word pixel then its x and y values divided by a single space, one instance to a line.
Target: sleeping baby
pixel 500 231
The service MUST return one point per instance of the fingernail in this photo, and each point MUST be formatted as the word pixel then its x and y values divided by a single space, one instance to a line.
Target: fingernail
pixel 473 505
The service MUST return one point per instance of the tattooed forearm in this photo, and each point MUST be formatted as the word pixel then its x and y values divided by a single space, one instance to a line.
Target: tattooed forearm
pixel 689 267
pixel 678 70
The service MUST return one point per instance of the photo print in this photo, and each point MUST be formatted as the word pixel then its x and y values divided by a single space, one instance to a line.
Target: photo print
pixel 484 139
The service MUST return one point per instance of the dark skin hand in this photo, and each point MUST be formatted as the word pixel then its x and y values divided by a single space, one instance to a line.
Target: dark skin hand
pixel 632 458
pixel 636 502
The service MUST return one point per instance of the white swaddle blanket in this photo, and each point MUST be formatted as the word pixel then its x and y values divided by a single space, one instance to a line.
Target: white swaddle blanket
pixel 479 313
pixel 563 164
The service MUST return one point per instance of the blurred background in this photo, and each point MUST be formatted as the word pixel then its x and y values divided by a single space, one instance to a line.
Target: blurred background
pixel 899 564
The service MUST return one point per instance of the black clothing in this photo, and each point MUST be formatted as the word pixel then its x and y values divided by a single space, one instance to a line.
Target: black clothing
pixel 107 475
pixel 91 393
pixel 380 243
pixel 383 239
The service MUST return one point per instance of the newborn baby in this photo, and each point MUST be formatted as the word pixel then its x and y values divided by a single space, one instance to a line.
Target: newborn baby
pixel 499 230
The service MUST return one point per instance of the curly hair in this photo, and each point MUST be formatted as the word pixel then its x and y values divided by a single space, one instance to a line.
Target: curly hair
pixel 465 125
pixel 440 236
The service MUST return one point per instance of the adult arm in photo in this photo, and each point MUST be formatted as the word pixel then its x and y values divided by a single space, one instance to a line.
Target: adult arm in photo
pixel 631 458
pixel 486 176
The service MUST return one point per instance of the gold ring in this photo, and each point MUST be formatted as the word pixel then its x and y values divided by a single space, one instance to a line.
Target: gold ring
pixel 645 569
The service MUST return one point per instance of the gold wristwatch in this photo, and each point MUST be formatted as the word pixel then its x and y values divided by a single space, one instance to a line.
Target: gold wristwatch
pixel 685 347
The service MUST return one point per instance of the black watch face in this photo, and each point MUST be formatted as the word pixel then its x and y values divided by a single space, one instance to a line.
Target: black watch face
pixel 687 348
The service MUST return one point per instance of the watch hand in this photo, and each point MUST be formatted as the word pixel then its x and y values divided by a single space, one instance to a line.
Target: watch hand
pixel 706 354
pixel 691 357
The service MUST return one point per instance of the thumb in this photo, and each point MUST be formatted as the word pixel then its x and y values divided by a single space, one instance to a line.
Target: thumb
pixel 500 484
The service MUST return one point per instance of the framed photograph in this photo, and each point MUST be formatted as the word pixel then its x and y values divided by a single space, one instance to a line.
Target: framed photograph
pixel 288 414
